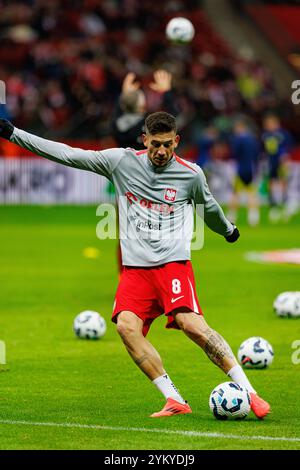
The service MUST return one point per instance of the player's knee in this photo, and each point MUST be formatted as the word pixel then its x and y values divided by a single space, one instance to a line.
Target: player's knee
pixel 126 327
pixel 188 325
pixel 193 326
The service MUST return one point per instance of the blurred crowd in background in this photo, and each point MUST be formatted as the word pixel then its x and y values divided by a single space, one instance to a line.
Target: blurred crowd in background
pixel 64 64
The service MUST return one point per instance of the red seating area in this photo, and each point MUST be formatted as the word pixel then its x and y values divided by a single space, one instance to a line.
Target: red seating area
pixel 289 18
pixel 280 23
pixel 206 38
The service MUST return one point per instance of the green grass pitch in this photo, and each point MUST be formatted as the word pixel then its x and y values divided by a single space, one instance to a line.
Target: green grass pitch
pixel 57 379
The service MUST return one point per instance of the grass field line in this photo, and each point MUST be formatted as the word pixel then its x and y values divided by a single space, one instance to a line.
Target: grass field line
pixel 151 430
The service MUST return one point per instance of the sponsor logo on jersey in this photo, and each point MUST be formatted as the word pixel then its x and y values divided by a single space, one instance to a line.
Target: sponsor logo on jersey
pixel 170 194
pixel 154 206
pixel 141 224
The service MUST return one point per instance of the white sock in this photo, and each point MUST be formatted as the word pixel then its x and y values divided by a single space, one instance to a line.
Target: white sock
pixel 167 388
pixel 238 375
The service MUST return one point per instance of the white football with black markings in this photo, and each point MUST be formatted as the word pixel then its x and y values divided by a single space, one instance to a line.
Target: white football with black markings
pixel 229 401
pixel 255 353
pixel 180 30
pixel 287 304
pixel 89 325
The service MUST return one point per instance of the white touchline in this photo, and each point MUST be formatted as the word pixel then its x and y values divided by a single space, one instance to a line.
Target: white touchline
pixel 153 430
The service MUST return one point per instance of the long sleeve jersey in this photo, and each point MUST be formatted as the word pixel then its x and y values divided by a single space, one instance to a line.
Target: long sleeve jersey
pixel 155 204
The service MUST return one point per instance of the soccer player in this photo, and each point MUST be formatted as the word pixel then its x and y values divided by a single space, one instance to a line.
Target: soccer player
pixel 245 151
pixel 277 143
pixel 129 115
pixel 158 187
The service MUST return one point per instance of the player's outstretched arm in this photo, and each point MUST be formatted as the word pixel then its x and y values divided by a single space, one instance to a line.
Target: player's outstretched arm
pixel 102 162
pixel 214 216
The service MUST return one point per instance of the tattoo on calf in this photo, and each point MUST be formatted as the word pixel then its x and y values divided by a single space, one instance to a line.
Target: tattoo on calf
pixel 216 348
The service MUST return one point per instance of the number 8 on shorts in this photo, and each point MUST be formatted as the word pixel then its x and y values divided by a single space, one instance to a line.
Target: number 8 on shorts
pixel 176 286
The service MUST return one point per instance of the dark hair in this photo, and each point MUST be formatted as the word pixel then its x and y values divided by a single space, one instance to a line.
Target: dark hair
pixel 160 123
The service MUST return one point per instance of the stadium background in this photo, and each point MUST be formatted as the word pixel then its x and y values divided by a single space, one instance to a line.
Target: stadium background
pixel 63 64
pixel 63 67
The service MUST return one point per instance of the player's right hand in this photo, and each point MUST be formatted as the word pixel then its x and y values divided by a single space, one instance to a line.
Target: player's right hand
pixel 6 129
pixel 234 236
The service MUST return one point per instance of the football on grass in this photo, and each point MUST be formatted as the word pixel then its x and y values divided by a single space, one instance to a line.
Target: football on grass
pixel 255 353
pixel 89 325
pixel 287 304
pixel 229 401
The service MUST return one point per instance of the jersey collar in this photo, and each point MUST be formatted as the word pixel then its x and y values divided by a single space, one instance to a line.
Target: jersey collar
pixel 157 169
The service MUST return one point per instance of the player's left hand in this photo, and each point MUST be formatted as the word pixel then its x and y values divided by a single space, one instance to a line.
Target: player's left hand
pixel 234 236
pixel 162 81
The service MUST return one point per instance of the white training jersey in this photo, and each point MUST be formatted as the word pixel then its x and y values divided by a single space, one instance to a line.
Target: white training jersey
pixel 155 204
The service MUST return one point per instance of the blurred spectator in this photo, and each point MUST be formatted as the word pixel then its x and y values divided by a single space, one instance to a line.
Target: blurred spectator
pixel 278 144
pixel 219 170
pixel 293 186
pixel 129 116
pixel 4 112
pixel 245 151
pixel 209 136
